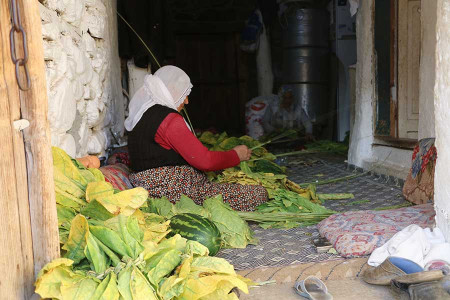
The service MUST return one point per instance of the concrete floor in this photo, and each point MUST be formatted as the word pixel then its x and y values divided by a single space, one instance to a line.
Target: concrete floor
pixel 341 277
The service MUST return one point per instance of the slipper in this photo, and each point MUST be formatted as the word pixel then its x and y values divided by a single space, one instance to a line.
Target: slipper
pixel 312 288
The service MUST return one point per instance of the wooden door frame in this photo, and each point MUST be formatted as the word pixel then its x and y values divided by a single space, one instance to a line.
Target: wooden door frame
pixel 393 138
pixel 28 174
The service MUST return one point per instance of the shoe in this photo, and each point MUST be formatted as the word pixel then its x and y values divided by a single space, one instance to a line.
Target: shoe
pixel 428 291
pixel 312 288
pixel 384 273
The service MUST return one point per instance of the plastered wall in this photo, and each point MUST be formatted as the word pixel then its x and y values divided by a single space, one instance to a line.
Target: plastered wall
pixel 83 74
pixel 365 150
pixel 442 115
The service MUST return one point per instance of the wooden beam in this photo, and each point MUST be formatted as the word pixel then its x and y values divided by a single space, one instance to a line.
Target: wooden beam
pixel 34 107
pixel 16 253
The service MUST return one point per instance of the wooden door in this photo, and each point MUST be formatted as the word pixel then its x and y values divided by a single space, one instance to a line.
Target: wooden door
pixel 409 47
pixel 213 63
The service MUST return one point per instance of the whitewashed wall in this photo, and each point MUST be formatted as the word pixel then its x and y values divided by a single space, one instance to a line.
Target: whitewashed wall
pixel 442 114
pixel 83 74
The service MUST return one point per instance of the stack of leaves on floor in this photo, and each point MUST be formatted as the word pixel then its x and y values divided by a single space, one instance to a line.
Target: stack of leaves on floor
pixel 285 196
pixel 113 250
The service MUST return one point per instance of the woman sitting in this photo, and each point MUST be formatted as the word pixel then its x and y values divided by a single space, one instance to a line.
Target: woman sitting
pixel 167 158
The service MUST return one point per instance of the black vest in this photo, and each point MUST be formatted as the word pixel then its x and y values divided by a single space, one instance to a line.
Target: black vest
pixel 144 152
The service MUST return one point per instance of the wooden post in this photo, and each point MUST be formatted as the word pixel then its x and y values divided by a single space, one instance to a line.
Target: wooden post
pixel 28 222
pixel 16 252
pixel 34 107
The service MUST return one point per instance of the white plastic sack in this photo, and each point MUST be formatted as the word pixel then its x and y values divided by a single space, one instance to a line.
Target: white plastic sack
pixel 255 115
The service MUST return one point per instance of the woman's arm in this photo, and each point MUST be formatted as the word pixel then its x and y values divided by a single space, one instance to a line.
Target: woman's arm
pixel 174 134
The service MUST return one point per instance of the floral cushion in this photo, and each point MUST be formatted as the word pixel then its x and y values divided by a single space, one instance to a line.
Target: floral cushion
pixel 358 233
pixel 117 175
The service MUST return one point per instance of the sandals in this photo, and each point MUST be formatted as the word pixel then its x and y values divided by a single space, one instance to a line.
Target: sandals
pixel 312 288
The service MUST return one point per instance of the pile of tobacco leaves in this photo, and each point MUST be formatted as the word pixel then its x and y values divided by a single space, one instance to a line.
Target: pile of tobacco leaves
pixel 115 244
pixel 285 196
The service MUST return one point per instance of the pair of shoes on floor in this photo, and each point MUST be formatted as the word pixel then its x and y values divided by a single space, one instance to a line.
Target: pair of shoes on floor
pixel 312 288
pixel 405 275
pixel 401 269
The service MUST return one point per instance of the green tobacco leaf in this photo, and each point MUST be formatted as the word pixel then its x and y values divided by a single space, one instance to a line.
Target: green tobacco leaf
pixel 186 205
pixel 76 243
pixel 95 210
pixel 162 207
pixel 124 283
pixel 114 258
pixel 163 264
pixel 66 199
pixel 96 255
pixel 64 184
pixel 195 248
pixel 65 214
pixel 119 225
pixel 140 287
pixel 107 289
pixel 234 231
pixel 112 240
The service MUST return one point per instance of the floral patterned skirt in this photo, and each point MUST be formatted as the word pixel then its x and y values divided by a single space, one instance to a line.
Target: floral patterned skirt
pixel 172 182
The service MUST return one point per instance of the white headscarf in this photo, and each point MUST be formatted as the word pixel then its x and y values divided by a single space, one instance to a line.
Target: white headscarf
pixel 169 86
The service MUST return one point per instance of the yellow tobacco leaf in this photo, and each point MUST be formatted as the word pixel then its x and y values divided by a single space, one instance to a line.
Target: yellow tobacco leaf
pixel 76 243
pixel 197 287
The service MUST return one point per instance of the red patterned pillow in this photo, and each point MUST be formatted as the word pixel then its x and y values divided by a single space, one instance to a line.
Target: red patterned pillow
pixel 358 233
pixel 117 175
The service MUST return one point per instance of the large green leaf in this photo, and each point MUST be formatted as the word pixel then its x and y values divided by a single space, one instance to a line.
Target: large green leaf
pixel 212 265
pixel 65 214
pixel 107 289
pixel 162 207
pixel 234 231
pixel 95 210
pixel 96 256
pixel 112 240
pixel 124 283
pixel 186 205
pixel 119 225
pixel 162 264
pixel 140 287
pixel 76 243
pixel 65 184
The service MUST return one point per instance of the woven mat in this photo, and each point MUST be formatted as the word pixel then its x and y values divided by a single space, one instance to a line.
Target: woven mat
pixel 279 247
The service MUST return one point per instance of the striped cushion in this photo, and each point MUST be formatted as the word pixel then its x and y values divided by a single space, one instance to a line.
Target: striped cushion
pixel 117 175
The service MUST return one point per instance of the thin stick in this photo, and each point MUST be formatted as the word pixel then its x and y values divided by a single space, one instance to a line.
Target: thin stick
pixel 189 120
pixel 154 57
pixel 306 184
pixel 139 37
pixel 284 134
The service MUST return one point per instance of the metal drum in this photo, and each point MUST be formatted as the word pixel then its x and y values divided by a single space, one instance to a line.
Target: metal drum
pixel 305 27
pixel 312 98
pixel 306 59
pixel 305 64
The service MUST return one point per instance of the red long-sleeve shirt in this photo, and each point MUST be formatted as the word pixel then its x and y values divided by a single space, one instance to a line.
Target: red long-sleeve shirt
pixel 174 134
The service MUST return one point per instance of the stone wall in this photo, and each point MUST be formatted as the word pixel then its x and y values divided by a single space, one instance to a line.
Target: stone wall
pixel 83 74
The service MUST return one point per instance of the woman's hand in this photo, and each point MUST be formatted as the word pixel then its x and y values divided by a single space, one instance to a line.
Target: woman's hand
pixel 243 152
